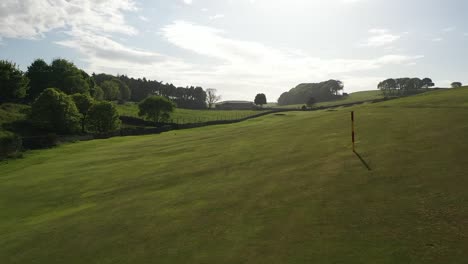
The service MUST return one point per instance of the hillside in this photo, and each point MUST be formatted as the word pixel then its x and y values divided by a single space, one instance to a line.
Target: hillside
pixel 283 188
pixel 183 116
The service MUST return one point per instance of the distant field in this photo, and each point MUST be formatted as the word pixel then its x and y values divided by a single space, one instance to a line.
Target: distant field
pixel 183 116
pixel 353 97
pixel 278 189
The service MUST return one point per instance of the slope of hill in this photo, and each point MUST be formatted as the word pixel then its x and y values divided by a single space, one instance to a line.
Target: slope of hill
pixel 283 188
pixel 183 116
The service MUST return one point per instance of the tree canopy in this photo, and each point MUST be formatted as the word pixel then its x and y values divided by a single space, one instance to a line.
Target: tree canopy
pixel 13 83
pixel 156 108
pixel 55 111
pixel 83 103
pixel 103 117
pixel 260 99
pixel 323 91
pixel 404 86
pixel 456 84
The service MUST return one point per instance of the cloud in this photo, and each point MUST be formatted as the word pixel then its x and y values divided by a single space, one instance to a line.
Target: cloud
pixel 30 19
pixel 437 39
pixel 245 65
pixel 217 16
pixel 143 18
pixel 449 29
pixel 379 38
pixel 188 2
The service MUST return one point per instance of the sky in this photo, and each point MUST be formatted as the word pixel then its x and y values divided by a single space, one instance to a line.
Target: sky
pixel 244 47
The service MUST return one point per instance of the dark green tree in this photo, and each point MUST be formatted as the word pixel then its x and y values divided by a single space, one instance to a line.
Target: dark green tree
pixel 156 108
pixel 111 90
pixel 456 84
pixel 13 83
pixel 124 91
pixel 68 78
pixel 98 93
pixel 427 83
pixel 103 117
pixel 55 111
pixel 39 74
pixel 260 99
pixel 83 102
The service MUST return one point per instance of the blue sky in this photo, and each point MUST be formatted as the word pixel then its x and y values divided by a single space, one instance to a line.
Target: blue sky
pixel 243 47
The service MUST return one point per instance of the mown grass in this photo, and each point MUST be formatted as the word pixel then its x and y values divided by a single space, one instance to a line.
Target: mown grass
pixel 277 189
pixel 184 116
pixel 352 98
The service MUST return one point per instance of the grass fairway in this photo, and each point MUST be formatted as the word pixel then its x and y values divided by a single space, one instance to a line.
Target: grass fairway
pixel 277 189
pixel 187 116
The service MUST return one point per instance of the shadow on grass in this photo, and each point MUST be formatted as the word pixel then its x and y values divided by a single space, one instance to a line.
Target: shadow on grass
pixel 363 161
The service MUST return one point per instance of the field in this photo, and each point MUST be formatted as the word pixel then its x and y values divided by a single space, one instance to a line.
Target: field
pixel 352 98
pixel 282 188
pixel 184 116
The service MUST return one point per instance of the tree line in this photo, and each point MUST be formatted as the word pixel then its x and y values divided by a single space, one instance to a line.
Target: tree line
pixel 404 86
pixel 66 100
pixel 324 91
pixel 66 77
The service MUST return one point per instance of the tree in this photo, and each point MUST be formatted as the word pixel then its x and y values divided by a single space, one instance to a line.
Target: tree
pixel 98 93
pixel 111 90
pixel 67 77
pixel 124 91
pixel 83 103
pixel 427 82
pixel 456 84
pixel 55 111
pixel 39 74
pixel 156 108
pixel 13 83
pixel 311 101
pixel 211 97
pixel 103 117
pixel 260 99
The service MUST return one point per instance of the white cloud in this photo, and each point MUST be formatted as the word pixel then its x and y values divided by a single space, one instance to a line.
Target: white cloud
pixel 30 19
pixel 217 16
pixel 188 2
pixel 245 65
pixel 449 29
pixel 437 39
pixel 379 38
pixel 143 18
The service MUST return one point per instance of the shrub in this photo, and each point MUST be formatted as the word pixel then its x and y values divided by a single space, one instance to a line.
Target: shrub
pixel 10 145
pixel 156 108
pixel 55 111
pixel 103 117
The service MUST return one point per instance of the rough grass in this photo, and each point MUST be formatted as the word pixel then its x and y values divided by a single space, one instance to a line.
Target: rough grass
pixel 277 189
pixel 183 116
